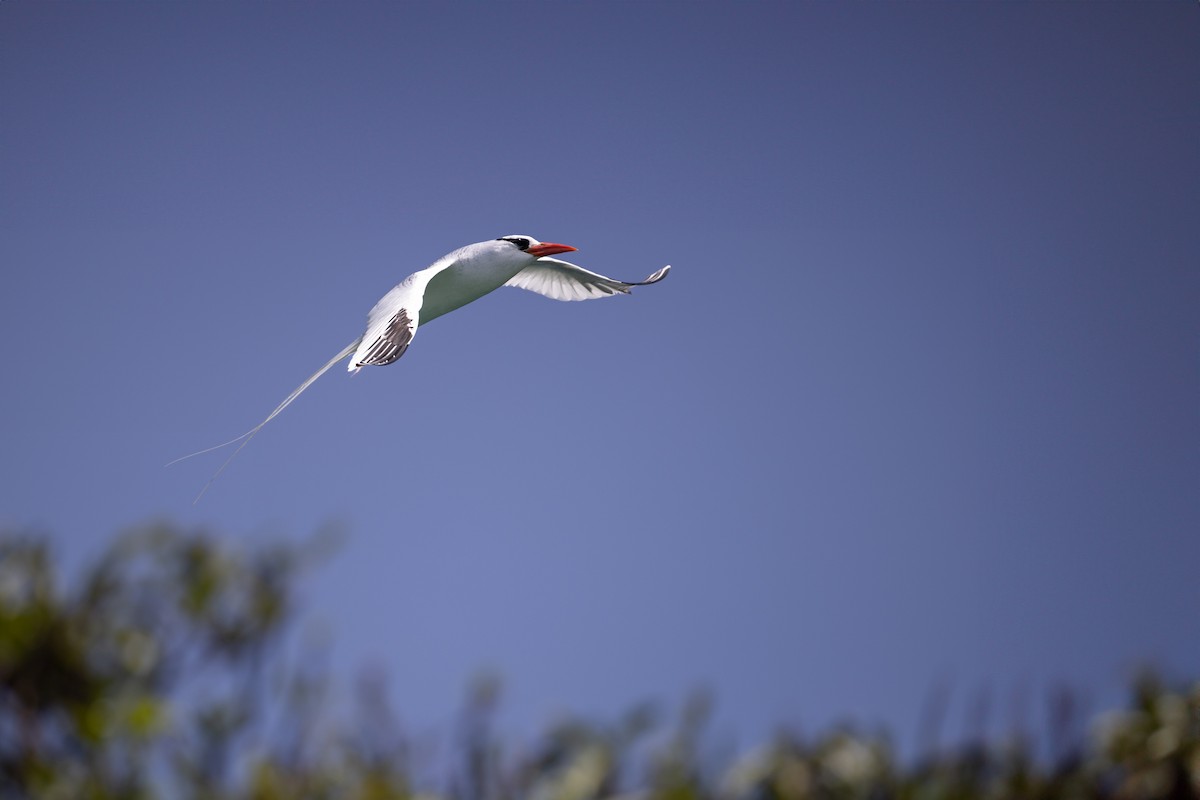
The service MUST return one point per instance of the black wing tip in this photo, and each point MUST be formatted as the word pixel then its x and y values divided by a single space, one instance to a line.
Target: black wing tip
pixel 654 277
pixel 391 344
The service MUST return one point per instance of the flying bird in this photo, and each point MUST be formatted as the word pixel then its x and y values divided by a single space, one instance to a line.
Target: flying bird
pixel 451 282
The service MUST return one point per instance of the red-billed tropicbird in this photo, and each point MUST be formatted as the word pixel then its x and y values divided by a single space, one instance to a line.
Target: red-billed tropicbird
pixel 451 282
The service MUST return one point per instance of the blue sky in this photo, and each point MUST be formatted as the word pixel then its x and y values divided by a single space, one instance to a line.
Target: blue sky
pixel 917 403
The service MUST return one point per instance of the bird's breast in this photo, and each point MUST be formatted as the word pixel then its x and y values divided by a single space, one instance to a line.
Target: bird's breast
pixel 462 283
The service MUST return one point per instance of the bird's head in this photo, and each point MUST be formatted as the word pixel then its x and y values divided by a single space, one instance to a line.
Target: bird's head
pixel 527 244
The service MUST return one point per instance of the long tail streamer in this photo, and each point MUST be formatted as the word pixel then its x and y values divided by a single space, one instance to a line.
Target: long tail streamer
pixel 248 435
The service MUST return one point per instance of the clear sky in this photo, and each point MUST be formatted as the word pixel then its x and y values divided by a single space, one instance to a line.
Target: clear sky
pixel 919 401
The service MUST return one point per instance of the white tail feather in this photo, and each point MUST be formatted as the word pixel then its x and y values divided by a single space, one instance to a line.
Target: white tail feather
pixel 248 435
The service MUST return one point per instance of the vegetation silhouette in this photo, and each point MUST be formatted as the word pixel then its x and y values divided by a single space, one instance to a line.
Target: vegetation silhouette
pixel 166 670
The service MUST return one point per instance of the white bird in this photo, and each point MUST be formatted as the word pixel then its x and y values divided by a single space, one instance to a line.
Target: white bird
pixel 451 282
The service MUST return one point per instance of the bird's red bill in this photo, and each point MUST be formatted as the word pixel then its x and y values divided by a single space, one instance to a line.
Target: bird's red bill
pixel 549 249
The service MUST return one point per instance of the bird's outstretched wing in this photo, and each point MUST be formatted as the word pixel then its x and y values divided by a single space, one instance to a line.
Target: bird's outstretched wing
pixel 561 280
pixel 392 323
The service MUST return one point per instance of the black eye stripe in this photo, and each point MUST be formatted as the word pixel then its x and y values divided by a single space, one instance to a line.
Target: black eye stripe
pixel 520 241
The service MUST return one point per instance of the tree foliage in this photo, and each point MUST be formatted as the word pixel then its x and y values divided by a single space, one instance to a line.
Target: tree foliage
pixel 165 670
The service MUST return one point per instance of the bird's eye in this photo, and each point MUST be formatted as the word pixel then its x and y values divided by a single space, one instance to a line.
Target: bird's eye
pixel 520 241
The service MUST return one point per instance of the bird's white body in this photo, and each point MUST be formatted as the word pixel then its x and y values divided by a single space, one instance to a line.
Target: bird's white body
pixel 451 282
pixel 466 275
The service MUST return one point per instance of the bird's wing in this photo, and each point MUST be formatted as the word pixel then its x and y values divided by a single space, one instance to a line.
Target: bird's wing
pixel 388 342
pixel 561 280
pixel 392 323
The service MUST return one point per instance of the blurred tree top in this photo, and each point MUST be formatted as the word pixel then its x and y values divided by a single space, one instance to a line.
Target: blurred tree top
pixel 165 671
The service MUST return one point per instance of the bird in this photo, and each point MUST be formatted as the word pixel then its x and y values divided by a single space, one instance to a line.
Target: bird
pixel 454 280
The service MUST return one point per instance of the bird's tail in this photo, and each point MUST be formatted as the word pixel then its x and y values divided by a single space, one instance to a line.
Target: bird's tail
pixel 248 435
